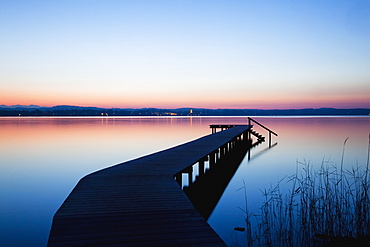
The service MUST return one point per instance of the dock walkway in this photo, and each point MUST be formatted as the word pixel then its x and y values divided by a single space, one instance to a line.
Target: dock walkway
pixel 139 202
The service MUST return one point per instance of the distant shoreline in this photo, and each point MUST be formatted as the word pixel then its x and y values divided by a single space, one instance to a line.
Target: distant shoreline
pixel 79 111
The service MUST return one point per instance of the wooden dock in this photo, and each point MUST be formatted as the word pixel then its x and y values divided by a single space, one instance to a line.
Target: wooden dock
pixel 140 202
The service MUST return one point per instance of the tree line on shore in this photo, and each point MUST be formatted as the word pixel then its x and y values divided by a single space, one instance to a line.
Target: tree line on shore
pixel 95 111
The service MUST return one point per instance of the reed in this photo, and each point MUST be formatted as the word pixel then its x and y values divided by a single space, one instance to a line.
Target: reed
pixel 320 208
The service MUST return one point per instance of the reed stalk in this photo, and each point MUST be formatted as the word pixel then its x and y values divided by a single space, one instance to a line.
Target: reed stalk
pixel 320 208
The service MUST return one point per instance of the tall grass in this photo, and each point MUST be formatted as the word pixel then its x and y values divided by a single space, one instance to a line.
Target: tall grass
pixel 320 207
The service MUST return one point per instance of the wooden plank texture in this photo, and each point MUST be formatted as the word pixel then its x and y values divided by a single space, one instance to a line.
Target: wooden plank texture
pixel 139 203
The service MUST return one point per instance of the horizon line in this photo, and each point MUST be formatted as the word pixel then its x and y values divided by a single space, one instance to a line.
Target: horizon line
pixel 187 107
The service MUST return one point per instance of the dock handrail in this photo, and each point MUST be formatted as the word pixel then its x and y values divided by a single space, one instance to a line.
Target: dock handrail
pixel 270 131
pixel 252 120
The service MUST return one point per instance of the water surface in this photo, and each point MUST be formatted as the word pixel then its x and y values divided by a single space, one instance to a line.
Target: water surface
pixel 42 159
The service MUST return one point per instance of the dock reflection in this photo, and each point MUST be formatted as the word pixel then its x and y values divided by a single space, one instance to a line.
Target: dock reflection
pixel 259 153
pixel 208 187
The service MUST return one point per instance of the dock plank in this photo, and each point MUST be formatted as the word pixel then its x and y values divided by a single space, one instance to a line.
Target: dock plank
pixel 139 203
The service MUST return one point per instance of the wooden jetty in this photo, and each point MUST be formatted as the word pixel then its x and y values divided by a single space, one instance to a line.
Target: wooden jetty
pixel 141 202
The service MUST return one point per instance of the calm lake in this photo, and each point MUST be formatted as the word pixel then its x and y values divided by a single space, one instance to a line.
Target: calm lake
pixel 42 159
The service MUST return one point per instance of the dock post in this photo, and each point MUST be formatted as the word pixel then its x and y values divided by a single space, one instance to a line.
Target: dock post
pixel 178 178
pixel 245 135
pixel 269 139
pixel 221 152
pixel 201 167
pixel 190 175
pixel 211 159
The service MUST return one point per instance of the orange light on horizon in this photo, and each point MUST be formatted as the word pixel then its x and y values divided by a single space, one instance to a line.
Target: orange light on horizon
pixel 239 101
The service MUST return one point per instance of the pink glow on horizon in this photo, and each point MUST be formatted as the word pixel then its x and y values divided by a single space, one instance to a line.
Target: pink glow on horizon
pixel 260 104
pixel 211 100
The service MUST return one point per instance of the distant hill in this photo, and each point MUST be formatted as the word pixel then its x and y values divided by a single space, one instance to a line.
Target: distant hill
pixel 20 106
pixel 71 107
pixel 68 110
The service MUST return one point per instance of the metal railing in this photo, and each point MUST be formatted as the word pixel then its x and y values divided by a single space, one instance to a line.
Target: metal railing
pixel 250 120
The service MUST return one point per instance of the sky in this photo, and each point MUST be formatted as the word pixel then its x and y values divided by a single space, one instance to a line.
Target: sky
pixel 248 54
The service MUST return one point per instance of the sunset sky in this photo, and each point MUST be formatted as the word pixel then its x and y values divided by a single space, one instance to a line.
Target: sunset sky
pixel 190 53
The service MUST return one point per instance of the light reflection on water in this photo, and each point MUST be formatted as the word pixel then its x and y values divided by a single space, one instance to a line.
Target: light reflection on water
pixel 43 158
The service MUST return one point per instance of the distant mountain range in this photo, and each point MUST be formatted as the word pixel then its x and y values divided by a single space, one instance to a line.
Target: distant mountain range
pixel 20 106
pixel 68 110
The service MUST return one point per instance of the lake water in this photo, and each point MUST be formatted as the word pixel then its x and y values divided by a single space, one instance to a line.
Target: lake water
pixel 42 159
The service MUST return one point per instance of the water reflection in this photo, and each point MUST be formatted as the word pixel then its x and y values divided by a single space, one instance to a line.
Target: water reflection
pixel 260 152
pixel 43 158
pixel 300 139
pixel 208 188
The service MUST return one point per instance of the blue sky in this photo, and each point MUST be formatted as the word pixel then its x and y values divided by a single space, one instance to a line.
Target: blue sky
pixel 217 54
